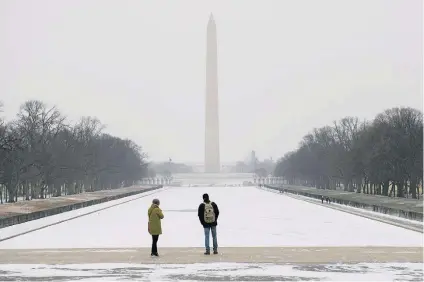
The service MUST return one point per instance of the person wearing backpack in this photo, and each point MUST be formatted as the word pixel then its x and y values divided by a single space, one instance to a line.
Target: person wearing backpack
pixel 208 213
pixel 155 215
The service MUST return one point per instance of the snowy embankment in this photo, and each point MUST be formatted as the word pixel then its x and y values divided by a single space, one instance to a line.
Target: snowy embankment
pixel 385 218
pixel 35 225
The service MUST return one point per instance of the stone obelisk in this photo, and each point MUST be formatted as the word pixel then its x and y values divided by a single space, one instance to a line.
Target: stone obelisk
pixel 212 158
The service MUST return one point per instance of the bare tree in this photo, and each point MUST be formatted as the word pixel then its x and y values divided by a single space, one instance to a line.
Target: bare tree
pixel 380 157
pixel 41 155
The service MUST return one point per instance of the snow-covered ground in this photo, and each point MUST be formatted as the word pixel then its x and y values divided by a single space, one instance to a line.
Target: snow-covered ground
pixel 249 217
pixel 215 272
pixel 350 208
pixel 47 221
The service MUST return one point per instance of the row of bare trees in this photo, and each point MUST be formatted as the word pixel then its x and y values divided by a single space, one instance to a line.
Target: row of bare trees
pixel 42 155
pixel 383 156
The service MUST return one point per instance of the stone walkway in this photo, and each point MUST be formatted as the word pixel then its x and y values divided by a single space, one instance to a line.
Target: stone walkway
pixel 276 255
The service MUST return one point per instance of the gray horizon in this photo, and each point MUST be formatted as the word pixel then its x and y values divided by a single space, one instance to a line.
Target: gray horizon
pixel 284 67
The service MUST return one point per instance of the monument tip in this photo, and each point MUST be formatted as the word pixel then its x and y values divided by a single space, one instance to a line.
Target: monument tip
pixel 211 17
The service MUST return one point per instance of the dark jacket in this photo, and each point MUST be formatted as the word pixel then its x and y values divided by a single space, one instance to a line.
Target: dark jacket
pixel 201 212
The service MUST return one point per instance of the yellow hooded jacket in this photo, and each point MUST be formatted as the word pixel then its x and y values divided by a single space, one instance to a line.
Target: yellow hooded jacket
pixel 155 215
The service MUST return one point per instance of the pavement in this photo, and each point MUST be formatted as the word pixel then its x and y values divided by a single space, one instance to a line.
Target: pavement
pixel 275 255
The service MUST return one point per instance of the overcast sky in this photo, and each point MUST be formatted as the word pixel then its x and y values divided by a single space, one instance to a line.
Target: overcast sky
pixel 285 67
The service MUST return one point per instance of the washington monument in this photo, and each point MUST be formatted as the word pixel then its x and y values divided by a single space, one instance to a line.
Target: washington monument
pixel 212 158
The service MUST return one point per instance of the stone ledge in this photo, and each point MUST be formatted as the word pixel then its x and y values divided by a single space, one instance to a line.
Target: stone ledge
pixel 409 209
pixel 277 255
pixel 21 212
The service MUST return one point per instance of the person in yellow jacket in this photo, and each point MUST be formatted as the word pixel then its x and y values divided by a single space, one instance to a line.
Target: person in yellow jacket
pixel 155 228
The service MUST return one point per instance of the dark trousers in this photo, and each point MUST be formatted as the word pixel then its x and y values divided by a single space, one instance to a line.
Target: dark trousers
pixel 155 239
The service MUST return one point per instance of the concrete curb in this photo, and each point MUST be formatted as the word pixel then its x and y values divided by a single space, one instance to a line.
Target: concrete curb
pixel 274 255
pixel 81 215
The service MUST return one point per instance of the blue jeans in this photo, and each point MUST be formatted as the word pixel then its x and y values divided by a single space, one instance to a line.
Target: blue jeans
pixel 215 241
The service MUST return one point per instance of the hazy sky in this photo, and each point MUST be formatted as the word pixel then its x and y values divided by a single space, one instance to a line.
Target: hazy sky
pixel 284 66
